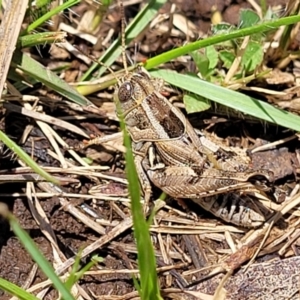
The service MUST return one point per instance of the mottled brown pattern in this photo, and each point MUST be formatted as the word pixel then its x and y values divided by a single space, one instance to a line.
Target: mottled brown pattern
pixel 170 155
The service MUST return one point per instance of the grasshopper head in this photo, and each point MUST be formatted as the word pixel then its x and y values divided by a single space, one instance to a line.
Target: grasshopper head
pixel 132 90
pixel 144 111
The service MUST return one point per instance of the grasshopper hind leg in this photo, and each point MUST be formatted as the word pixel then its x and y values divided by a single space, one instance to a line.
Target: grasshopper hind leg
pixel 239 209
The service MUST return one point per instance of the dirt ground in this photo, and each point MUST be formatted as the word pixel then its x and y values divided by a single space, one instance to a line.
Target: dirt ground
pixel 187 252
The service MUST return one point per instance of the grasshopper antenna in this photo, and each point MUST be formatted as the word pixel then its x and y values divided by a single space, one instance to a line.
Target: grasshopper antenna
pixel 123 41
pixel 99 63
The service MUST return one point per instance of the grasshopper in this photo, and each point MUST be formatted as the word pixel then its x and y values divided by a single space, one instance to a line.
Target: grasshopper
pixel 169 153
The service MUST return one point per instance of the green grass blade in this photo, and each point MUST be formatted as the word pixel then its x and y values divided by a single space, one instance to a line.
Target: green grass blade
pixel 26 158
pixel 233 99
pixel 15 290
pixel 140 22
pixel 146 257
pixel 36 255
pixel 41 38
pixel 49 15
pixel 172 54
pixel 149 287
pixel 50 79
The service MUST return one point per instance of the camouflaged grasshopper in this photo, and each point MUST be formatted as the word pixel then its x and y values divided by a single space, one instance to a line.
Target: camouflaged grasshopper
pixel 169 153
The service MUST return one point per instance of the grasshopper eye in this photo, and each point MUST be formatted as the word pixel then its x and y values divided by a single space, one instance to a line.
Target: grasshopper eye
pixel 125 92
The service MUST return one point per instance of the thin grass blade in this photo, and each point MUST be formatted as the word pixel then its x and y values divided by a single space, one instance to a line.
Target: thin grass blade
pixel 26 158
pixel 50 79
pixel 15 290
pixel 233 99
pixel 186 49
pixel 49 15
pixel 36 255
